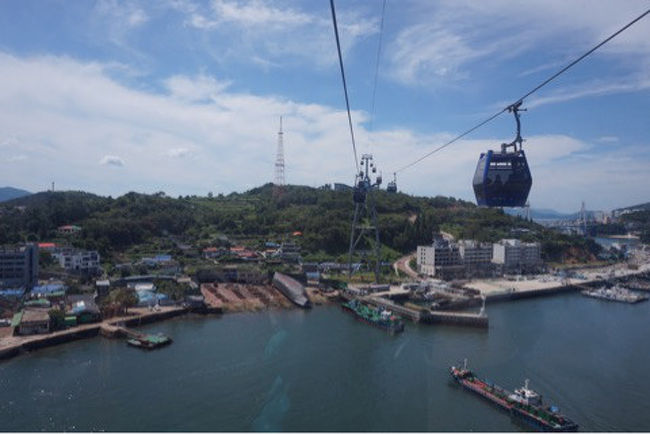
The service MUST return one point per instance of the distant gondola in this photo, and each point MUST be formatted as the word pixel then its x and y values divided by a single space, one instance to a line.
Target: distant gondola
pixel 392 185
pixel 503 179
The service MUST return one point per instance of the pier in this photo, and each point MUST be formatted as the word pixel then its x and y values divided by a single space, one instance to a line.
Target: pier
pixel 14 345
pixel 429 316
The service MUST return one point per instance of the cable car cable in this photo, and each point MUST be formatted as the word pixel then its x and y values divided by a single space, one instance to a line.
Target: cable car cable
pixel 345 86
pixel 374 87
pixel 538 87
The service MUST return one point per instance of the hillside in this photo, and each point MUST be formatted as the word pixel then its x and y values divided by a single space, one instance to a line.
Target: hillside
pixel 639 207
pixel 322 215
pixel 8 193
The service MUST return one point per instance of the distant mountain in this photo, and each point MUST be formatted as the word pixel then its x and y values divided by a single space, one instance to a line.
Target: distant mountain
pixel 8 193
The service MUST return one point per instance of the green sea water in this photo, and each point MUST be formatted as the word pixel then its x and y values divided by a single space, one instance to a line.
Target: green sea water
pixel 321 370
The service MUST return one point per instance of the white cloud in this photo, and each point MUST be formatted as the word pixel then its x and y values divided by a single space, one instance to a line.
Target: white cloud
pixel 591 89
pixel 124 14
pixel 80 116
pixel 178 152
pixel 111 160
pixel 256 13
pixel 199 88
pixel 16 158
pixel 449 41
pixel 268 34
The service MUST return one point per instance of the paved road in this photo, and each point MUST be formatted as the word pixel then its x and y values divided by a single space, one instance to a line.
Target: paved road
pixel 402 264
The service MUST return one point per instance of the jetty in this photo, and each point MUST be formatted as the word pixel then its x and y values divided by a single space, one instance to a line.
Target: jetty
pixel 11 346
pixel 426 316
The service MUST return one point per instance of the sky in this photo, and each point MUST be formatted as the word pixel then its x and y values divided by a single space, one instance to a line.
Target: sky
pixel 185 96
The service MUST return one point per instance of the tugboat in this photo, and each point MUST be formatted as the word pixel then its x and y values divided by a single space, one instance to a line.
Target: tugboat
pixel 524 403
pixel 378 317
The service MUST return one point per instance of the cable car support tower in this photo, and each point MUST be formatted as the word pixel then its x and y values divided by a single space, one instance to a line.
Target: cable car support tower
pixel 364 223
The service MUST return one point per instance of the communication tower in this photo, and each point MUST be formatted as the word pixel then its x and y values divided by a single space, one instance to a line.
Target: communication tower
pixel 278 183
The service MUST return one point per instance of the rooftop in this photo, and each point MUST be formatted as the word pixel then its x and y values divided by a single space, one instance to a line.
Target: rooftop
pixel 35 315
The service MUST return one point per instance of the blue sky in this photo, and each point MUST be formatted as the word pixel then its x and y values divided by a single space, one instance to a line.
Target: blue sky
pixel 184 96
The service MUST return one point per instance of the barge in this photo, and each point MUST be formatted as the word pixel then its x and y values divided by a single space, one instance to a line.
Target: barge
pixel 149 342
pixel 524 403
pixel 375 316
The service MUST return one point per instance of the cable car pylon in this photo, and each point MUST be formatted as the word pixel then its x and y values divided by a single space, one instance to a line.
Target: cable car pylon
pixel 364 222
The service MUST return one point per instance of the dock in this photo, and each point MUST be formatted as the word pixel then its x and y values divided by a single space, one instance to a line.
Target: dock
pixel 427 316
pixel 14 345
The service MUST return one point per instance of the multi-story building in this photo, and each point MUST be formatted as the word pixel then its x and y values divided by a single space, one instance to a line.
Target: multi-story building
pixel 470 258
pixel 513 256
pixel 79 261
pixel 19 266
pixel 476 257
pixel 441 259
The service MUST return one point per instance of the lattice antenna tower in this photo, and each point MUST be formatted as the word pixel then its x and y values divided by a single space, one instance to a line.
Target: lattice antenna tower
pixel 279 182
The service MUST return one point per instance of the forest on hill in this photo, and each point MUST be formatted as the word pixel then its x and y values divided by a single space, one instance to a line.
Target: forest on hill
pixel 322 215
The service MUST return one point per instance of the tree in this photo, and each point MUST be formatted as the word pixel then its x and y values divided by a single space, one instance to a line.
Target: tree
pixel 125 298
pixel 57 319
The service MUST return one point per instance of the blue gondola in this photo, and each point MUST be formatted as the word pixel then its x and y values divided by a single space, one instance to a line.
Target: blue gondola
pixel 503 179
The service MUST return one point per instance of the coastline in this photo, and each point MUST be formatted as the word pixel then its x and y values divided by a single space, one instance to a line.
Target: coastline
pixel 11 346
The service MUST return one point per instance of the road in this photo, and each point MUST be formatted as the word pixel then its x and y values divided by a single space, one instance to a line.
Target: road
pixel 402 264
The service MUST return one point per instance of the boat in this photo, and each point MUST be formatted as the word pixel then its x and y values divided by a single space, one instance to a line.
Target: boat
pixel 292 289
pixel 375 316
pixel 523 404
pixel 615 293
pixel 149 342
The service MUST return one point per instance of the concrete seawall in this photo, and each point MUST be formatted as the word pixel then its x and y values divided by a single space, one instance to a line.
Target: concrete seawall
pixel 35 342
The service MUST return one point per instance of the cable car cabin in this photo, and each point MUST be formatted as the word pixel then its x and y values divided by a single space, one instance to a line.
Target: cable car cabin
pixel 391 187
pixel 502 179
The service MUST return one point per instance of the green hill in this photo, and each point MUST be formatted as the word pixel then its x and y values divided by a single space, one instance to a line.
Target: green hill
pixel 321 214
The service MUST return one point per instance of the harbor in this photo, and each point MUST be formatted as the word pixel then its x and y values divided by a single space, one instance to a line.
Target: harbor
pixel 385 383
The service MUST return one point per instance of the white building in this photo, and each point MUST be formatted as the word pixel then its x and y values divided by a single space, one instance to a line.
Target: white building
pixel 441 258
pixel 82 261
pixel 512 255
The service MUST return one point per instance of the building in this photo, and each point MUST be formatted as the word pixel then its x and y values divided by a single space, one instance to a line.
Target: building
pixel 441 259
pixel 289 252
pixel 19 266
pixel 341 187
pixel 31 321
pixel 215 252
pixel 311 270
pixel 79 261
pixel 513 256
pixel 83 308
pixel 476 257
pixel 68 229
